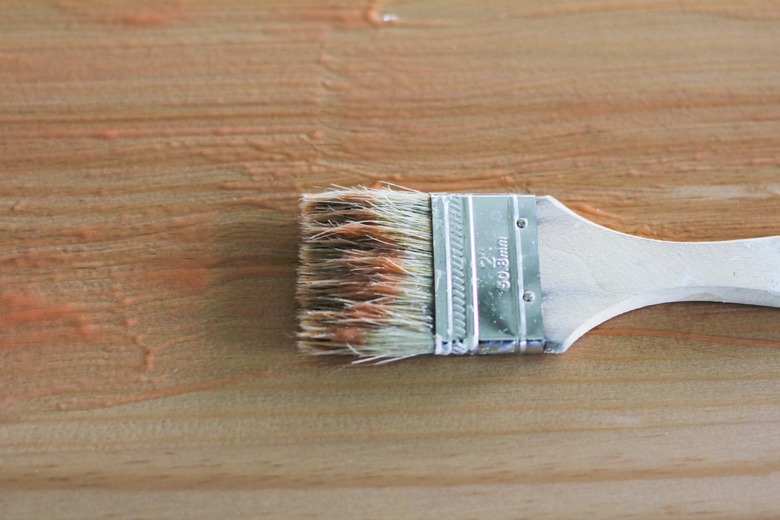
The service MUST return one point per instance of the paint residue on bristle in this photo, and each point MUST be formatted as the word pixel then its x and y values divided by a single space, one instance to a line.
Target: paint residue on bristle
pixel 365 283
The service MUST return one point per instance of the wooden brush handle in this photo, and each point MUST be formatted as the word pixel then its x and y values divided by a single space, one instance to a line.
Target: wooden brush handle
pixel 590 273
pixel 735 271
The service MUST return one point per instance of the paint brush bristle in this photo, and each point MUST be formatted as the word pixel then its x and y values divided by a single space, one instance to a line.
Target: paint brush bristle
pixel 365 277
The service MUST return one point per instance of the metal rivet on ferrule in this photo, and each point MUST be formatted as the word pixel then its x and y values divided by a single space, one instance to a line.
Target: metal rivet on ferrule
pixel 529 296
pixel 522 222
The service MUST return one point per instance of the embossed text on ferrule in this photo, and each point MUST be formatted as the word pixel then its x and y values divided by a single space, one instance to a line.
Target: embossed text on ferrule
pixel 497 260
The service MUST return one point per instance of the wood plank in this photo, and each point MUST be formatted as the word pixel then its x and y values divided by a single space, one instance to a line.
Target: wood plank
pixel 152 154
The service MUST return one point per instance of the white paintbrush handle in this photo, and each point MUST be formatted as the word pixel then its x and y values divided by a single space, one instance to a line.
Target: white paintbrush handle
pixel 590 273
pixel 736 271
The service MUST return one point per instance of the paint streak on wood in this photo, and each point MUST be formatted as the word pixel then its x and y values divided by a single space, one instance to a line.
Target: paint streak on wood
pixel 152 154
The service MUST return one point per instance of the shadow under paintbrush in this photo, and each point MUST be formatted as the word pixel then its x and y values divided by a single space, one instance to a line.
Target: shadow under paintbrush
pixel 251 306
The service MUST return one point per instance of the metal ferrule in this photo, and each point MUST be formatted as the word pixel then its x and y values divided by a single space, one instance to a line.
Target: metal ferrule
pixel 486 274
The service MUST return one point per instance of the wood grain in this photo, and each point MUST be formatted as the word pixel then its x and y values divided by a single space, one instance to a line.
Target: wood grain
pixel 151 155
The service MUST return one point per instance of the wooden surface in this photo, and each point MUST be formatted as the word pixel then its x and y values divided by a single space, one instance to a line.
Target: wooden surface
pixel 151 154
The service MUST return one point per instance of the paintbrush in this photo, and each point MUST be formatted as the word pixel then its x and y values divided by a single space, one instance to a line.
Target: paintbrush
pixel 387 274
